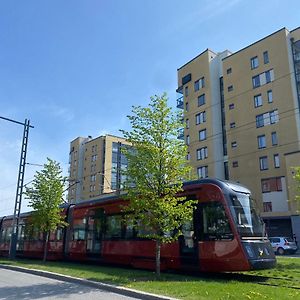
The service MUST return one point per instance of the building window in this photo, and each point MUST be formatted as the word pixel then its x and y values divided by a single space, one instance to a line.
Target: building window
pixel 202 172
pixel 255 81
pixel 202 153
pixel 261 141
pixel 201 118
pixel 230 88
pixel 270 96
pixel 268 76
pixel 267 118
pixel 267 206
pixel 259 121
pixel 188 156
pixel 266 57
pixel 187 123
pixel 258 100
pixel 254 62
pixel 229 71
pixel 273 116
pixel 235 164
pixel 232 125
pixel 231 106
pixel 202 135
pixel 187 107
pixel 201 100
pixel 234 144
pixel 196 86
pixel 199 84
pixel 274 138
pixel 186 91
pixel 263 163
pixel 94 157
pixel 187 139
pixel 276 161
pixel 271 185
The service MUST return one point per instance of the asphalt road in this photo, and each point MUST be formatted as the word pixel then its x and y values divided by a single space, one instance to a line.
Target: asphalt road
pixel 17 285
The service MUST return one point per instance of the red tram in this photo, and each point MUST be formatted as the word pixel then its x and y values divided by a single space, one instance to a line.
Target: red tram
pixel 226 234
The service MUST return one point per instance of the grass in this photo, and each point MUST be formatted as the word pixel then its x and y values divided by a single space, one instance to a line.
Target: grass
pixel 282 282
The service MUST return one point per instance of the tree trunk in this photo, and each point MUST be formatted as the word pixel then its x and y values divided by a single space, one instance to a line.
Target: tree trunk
pixel 157 257
pixel 46 246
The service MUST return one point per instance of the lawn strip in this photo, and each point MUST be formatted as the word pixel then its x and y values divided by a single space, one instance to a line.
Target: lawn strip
pixel 281 282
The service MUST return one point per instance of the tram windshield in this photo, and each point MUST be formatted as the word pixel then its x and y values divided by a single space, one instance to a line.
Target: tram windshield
pixel 245 216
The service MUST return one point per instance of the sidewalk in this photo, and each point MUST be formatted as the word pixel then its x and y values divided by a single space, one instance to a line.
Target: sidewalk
pixel 95 284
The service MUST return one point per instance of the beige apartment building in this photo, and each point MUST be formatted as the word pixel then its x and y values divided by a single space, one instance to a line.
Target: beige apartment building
pixel 242 121
pixel 95 166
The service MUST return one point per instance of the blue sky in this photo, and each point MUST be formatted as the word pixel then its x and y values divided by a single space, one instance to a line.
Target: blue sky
pixel 75 68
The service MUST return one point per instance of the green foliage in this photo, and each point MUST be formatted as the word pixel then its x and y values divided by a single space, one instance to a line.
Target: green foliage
pixel 45 197
pixel 297 178
pixel 156 168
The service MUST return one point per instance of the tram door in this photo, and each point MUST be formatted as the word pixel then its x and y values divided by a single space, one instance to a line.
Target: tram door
pixel 188 242
pixel 94 232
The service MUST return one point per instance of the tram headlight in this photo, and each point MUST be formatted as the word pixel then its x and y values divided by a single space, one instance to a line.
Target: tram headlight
pixel 249 251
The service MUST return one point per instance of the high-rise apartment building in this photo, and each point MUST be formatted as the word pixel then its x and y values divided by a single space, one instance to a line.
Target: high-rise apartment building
pixel 242 121
pixel 95 166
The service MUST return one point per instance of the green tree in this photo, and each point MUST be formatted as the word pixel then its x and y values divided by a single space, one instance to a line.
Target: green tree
pixel 297 197
pixel 156 168
pixel 45 197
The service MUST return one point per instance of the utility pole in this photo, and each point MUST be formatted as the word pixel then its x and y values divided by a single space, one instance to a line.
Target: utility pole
pixel 19 192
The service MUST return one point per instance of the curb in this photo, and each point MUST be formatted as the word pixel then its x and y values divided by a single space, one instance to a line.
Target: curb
pixel 99 285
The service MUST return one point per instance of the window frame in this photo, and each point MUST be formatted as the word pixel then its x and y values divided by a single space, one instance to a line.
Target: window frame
pixel 266 57
pixel 200 117
pixel 263 163
pixel 260 138
pixel 274 138
pixel 201 100
pixel 204 131
pixel 276 160
pixel 270 99
pixel 202 153
pixel 254 62
pixel 258 100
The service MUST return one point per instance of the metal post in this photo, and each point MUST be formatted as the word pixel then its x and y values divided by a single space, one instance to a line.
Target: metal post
pixel 15 225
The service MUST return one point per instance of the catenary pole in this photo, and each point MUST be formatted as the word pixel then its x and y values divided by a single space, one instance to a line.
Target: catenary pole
pixel 20 182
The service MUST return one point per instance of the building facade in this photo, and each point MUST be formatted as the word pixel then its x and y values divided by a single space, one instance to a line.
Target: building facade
pixel 95 166
pixel 242 121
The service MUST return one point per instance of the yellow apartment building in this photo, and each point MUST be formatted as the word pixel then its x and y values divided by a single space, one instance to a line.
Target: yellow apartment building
pixel 242 121
pixel 95 166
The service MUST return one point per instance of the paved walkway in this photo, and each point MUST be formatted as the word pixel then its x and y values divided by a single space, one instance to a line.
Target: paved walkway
pixel 18 285
pixel 131 293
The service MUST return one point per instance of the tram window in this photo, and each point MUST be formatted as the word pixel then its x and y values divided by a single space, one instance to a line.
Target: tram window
pixel 113 227
pixel 3 235
pixel 78 234
pixel 214 223
pixel 59 234
pixel 130 229
pixel 79 230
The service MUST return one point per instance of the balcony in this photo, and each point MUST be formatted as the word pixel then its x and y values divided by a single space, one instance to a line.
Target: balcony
pixel 297 57
pixel 180 102
pixel 181 119
pixel 181 134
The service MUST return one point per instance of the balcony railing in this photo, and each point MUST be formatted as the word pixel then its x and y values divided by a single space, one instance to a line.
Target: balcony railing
pixel 297 57
pixel 180 102
pixel 181 134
